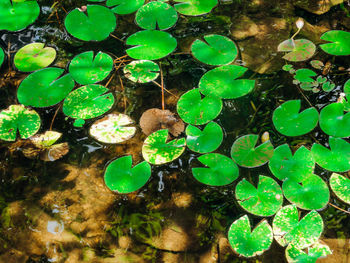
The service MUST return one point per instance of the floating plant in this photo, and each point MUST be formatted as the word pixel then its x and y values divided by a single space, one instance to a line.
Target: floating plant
pixel 340 185
pixel 317 64
pixel 334 122
pixel 86 68
pixel 314 252
pixel 2 56
pixel 194 7
pixel 305 75
pixel 340 45
pixel 298 50
pixel 141 71
pixel 124 7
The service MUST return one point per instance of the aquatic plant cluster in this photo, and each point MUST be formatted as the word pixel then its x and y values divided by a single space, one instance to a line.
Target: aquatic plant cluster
pixel 47 86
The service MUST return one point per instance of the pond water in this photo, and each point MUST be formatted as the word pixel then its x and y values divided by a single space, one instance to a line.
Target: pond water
pixel 62 211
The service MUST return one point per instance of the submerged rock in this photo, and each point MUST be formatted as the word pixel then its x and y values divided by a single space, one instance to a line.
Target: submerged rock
pixel 317 7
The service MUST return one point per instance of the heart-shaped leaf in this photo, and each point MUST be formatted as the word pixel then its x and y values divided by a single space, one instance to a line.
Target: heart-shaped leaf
pixel 156 150
pixel 299 50
pixel 141 71
pixel 150 44
pixel 44 88
pixel 288 121
pixel 215 50
pixel 195 7
pixel 305 75
pixel 124 7
pixel 334 122
pixel 88 102
pixel 87 69
pixel 113 128
pixel 197 111
pixel 222 82
pixel 18 118
pixel 96 25
pixel 316 251
pixel 264 200
pixel 336 159
pixel 340 45
pixel 302 192
pixel 340 185
pixel 16 15
pixel 156 15
pixel 244 153
pixel 221 170
pixel 246 242
pixel 204 141
pixel 287 228
pixel 286 166
pixel 121 177
pixel 2 56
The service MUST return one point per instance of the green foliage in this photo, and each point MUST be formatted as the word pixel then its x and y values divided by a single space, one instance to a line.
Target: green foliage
pixel 124 7
pixel 194 7
pixel 141 71
pixel 305 75
pixel 316 251
pixel 340 185
pixel 334 122
pixel 299 50
pixel 340 43
pixel 2 56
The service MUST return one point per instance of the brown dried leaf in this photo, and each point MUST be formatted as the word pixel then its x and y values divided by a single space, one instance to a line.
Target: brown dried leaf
pixel 54 152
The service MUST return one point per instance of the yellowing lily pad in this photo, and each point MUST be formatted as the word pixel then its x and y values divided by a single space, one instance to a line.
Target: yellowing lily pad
pixel 340 185
pixel 299 50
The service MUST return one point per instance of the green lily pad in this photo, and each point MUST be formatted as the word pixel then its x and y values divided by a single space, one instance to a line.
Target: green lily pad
pixel 221 170
pixel 16 15
pixel 141 71
pixel 44 88
pixel 222 82
pixel 340 185
pixel 197 111
pixel 334 122
pixel 302 192
pixel 2 56
pixel 121 177
pixel 156 15
pixel 299 50
pixel 156 149
pixel 264 200
pixel 204 141
pixel 96 25
pixel 113 128
pixel 305 75
pixel 246 242
pixel 18 118
pixel 124 7
pixel 316 251
pixel 150 45
pixel 328 86
pixel 195 7
pixel 288 67
pixel 288 121
pixel 88 102
pixel 46 139
pixel 317 64
pixel 244 153
pixel 340 45
pixel 286 166
pixel 336 159
pixel 287 228
pixel 87 69
pixel 215 50
pixel 33 57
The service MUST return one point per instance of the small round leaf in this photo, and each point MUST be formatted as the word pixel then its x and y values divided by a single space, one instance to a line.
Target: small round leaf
pixel 334 122
pixel 299 50
pixel 124 7
pixel 141 71
pixel 340 185
pixel 195 7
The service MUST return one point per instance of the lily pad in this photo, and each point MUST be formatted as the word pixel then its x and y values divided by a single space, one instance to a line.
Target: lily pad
pixel 286 166
pixel 87 69
pixel 246 242
pixel 264 200
pixel 222 82
pixel 150 45
pixel 340 185
pixel 316 251
pixel 44 88
pixel 2 56
pixel 156 15
pixel 113 128
pixel 299 50
pixel 194 110
pixel 204 141
pixel 244 153
pixel 287 228
pixel 88 102
pixel 302 192
pixel 288 121
pixel 46 139
pixel 156 150
pixel 317 64
pixel 340 45
pixel 215 50
pixel 121 177
pixel 336 159
pixel 141 71
pixel 124 7
pixel 16 15
pixel 195 7
pixel 305 75
pixel 17 118
pixel 33 57
pixel 334 122
pixel 221 170
pixel 95 25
